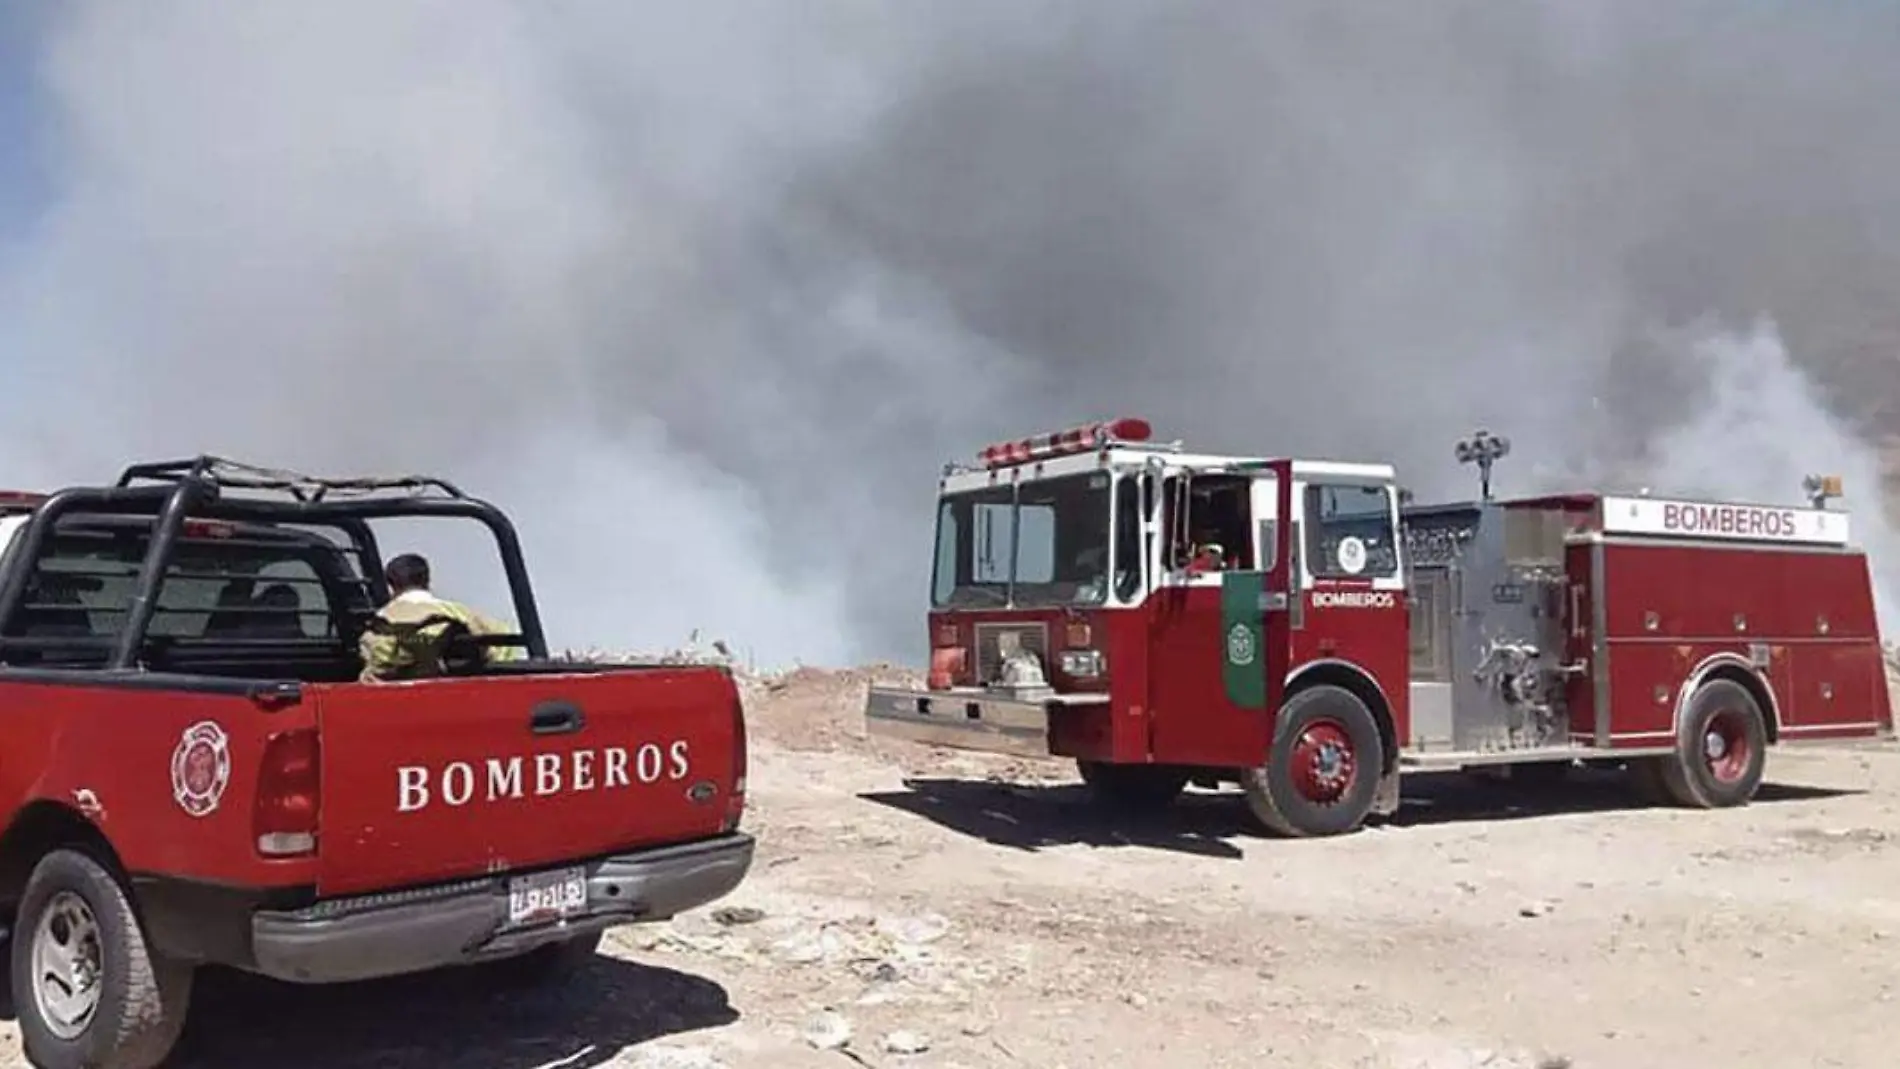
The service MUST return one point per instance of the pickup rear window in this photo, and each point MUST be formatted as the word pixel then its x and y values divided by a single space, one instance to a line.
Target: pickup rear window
pixel 275 589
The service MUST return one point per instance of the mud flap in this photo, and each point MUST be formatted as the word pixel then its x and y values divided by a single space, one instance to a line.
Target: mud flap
pixel 1386 801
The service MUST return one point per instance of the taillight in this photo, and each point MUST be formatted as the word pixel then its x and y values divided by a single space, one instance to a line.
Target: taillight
pixel 735 799
pixel 289 792
pixel 948 654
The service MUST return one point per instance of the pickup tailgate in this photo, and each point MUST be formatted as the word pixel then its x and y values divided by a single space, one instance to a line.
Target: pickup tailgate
pixel 449 778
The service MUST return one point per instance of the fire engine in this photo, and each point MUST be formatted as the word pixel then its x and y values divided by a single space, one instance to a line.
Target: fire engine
pixel 1302 629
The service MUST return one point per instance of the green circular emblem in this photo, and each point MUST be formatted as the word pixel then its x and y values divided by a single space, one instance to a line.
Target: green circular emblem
pixel 1240 644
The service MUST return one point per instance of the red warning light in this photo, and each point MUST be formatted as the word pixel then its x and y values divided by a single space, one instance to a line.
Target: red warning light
pixel 21 499
pixel 1062 443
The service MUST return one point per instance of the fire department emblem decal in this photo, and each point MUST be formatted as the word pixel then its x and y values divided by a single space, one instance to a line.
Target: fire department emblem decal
pixel 1352 555
pixel 1240 644
pixel 201 768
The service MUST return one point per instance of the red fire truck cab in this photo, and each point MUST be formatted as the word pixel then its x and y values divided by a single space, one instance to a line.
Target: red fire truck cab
pixel 1162 616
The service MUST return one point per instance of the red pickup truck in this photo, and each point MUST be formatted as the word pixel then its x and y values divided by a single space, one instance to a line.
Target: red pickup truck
pixel 191 772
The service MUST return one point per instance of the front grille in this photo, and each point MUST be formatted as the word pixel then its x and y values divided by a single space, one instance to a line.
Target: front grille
pixel 989 653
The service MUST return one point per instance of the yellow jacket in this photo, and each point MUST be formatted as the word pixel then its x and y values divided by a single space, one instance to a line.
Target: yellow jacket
pixel 407 638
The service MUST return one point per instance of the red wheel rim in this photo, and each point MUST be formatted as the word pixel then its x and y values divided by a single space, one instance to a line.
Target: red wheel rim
pixel 1324 763
pixel 1725 746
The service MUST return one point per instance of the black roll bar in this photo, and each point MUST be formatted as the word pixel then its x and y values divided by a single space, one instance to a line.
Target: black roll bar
pixel 507 540
pixel 195 489
pixel 171 520
pixel 235 475
pixel 32 538
pixel 369 555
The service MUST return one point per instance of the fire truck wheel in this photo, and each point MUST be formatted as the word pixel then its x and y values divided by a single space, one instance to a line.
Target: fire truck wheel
pixel 89 990
pixel 1645 778
pixel 1322 774
pixel 1132 787
pixel 1719 757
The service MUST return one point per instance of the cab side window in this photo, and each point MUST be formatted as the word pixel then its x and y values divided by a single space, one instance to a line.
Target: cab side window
pixel 1223 511
pixel 1350 532
pixel 1129 558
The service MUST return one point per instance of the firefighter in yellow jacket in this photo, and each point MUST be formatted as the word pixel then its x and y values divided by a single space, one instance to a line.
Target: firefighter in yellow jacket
pixel 407 637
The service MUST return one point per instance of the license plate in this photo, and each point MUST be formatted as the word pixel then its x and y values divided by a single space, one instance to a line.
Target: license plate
pixel 546 896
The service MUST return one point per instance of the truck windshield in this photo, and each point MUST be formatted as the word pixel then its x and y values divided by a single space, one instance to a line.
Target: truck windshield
pixel 1045 543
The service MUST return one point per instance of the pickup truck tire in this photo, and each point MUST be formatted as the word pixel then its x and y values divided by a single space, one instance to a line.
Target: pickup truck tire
pixel 1323 770
pixel 1132 788
pixel 76 912
pixel 549 963
pixel 1721 751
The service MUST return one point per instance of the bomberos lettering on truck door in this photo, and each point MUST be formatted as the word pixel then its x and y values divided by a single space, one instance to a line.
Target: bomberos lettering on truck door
pixel 539 775
pixel 1354 599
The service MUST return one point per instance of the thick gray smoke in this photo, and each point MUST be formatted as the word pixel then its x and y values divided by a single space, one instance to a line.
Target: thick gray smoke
pixel 706 300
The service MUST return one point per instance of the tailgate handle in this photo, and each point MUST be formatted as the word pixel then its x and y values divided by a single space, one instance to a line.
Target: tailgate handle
pixel 555 718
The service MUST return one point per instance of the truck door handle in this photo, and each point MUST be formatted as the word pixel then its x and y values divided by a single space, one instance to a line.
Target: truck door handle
pixel 555 718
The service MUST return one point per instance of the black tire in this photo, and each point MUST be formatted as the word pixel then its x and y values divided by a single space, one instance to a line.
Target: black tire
pixel 1133 788
pixel 1721 751
pixel 1645 778
pixel 142 998
pixel 549 964
pixel 1319 799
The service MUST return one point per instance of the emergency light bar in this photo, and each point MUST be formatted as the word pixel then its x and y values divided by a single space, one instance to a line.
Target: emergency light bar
pixel 1062 443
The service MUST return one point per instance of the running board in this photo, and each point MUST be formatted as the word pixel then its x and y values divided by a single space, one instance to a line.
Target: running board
pixel 1451 759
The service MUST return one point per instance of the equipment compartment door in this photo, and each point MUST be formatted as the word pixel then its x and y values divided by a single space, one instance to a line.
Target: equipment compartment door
pixel 1587 694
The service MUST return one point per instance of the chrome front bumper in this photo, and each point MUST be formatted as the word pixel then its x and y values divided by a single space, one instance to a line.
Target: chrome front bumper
pixel 967 719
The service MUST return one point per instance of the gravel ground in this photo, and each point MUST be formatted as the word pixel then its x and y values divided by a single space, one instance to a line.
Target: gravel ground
pixel 979 913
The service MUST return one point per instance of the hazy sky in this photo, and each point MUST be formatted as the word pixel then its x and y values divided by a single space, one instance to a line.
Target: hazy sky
pixel 707 294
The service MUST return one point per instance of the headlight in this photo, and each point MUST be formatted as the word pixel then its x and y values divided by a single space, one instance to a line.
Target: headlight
pixel 1081 663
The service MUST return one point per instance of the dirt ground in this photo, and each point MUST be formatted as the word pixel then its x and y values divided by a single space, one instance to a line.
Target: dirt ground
pixel 981 914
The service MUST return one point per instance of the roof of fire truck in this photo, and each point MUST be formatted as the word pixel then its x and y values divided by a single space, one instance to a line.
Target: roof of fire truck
pixel 1116 443
pixel 1126 442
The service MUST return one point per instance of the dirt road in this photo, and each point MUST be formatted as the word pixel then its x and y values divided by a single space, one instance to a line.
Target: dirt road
pixel 987 915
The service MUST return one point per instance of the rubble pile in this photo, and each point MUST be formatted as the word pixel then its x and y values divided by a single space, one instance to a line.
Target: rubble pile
pixel 861 968
pixel 821 709
pixel 718 651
